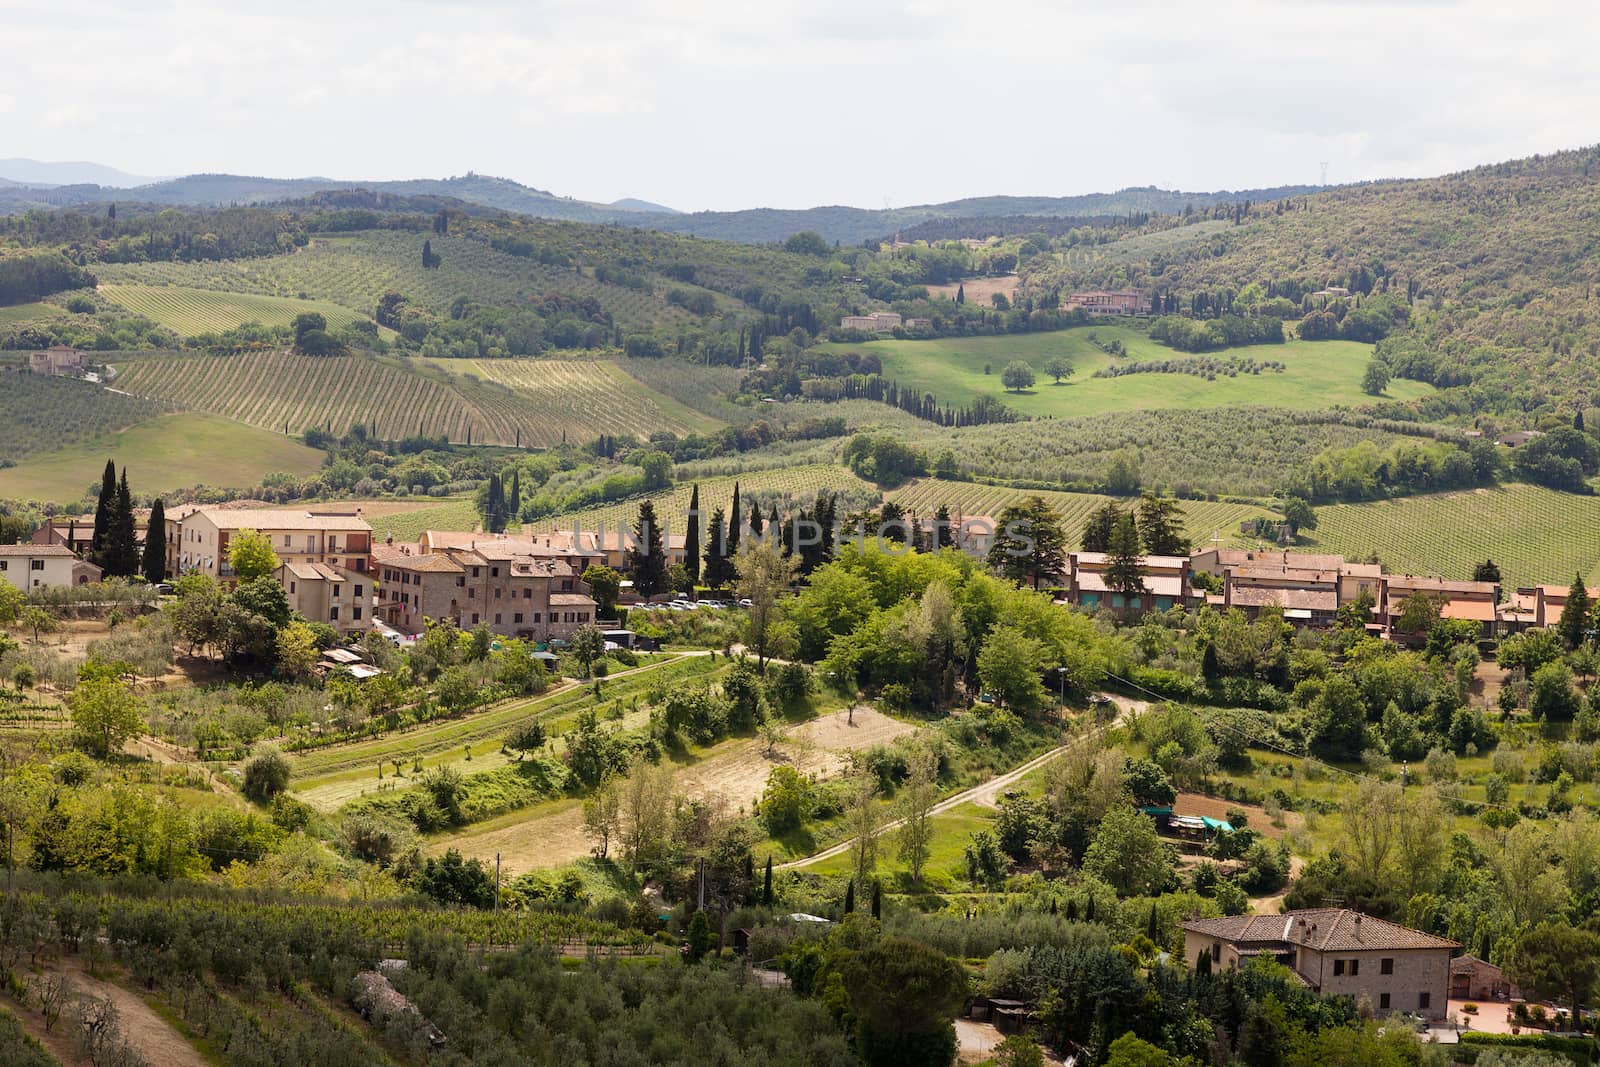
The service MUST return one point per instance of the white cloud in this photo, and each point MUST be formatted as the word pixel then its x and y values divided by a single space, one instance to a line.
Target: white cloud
pixel 725 103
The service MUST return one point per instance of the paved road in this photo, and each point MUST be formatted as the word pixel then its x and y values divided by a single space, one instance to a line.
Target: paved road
pixel 989 792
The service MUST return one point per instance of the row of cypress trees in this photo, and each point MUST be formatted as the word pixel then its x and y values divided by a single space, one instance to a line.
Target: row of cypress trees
pixel 115 546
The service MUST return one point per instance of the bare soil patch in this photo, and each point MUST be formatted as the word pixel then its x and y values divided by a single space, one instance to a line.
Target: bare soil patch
pixel 1217 808
pixel 979 290
pixel 144 1030
pixel 735 771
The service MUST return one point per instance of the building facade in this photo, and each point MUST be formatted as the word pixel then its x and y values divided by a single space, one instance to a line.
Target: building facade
pixel 500 583
pixel 1337 952
pixel 59 360
pixel 31 566
pixel 323 593
pixel 1111 302
pixel 341 541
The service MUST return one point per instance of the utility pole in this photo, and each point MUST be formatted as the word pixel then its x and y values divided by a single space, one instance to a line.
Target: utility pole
pixel 497 881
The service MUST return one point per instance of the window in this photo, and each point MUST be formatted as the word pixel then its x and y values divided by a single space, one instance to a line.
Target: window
pixel 291 587
pixel 472 593
pixel 335 590
pixel 527 594
pixel 537 615
pixel 497 592
pixel 1422 999
pixel 1338 968
pixel 1216 952
pixel 497 620
pixel 3 564
pixel 475 571
pixel 333 613
pixel 517 617
pixel 1355 968
pixel 1386 965
pixel 36 564
pixel 1383 1001
pixel 361 566
pixel 494 572
pixel 355 612
pixel 474 618
pixel 358 592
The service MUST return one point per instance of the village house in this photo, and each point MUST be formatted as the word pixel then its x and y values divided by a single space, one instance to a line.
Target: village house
pixel 57 360
pixel 876 322
pixel 1110 302
pixel 1532 606
pixel 324 593
pixel 30 566
pixel 1337 952
pixel 507 584
pixel 1165 579
pixel 1476 601
pixel 1475 979
pixel 1309 588
pixel 343 541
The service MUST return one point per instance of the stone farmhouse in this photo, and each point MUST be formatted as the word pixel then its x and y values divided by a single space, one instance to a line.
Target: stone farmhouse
pixel 1110 302
pixel 876 322
pixel 1337 952
pixel 512 585
pixel 59 361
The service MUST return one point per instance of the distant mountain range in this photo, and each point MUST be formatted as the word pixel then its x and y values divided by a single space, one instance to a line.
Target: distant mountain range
pixel 22 189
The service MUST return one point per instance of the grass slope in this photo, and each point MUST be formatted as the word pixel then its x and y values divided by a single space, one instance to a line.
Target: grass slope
pixel 1534 534
pixel 18 313
pixel 39 414
pixel 564 399
pixel 1320 374
pixel 191 312
pixel 161 454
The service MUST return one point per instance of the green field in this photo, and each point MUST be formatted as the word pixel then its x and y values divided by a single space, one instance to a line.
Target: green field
pixel 16 313
pixel 1202 518
pixel 161 454
pixel 1320 374
pixel 191 312
pixel 557 401
pixel 1534 534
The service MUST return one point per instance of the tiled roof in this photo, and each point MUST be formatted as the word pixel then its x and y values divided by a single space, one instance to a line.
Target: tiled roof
pixel 1102 559
pixel 1305 599
pixel 36 550
pixel 1323 929
pixel 1438 585
pixel 265 519
pixel 571 600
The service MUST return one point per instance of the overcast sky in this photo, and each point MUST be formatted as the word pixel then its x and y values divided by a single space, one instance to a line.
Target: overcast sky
pixel 741 103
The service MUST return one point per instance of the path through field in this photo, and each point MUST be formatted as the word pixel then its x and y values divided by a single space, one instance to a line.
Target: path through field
pixel 988 792
pixel 736 771
pixel 146 1032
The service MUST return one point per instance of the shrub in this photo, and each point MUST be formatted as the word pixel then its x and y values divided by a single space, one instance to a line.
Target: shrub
pixel 266 775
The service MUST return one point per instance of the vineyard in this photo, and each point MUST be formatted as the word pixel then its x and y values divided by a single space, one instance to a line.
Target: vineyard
pixel 191 312
pixel 399 397
pixel 798 485
pixel 1201 518
pixel 39 413
pixel 588 390
pixel 355 270
pixel 162 454
pixel 1534 534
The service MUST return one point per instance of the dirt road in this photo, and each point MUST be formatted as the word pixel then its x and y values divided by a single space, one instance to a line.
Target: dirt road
pixel 988 793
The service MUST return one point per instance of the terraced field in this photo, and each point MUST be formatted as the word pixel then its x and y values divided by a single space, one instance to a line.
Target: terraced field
pixel 1534 534
pixel 354 270
pixel 191 312
pixel 1202 518
pixel 798 484
pixel 286 392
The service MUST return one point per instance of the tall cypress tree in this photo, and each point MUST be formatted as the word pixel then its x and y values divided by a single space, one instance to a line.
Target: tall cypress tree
pixel 155 544
pixel 735 520
pixel 102 512
pixel 122 548
pixel 691 536
pixel 766 888
pixel 1574 623
pixel 646 560
pixel 756 523
pixel 516 493
pixel 718 571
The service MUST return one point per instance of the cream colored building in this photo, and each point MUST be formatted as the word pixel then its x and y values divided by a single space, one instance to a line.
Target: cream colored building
pixel 342 541
pixel 503 583
pixel 30 566
pixel 322 593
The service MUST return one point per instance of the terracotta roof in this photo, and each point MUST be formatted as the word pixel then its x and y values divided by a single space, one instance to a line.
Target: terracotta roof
pixel 1323 929
pixel 1101 559
pixel 571 599
pixel 1154 584
pixel 1276 572
pixel 1476 610
pixel 1438 585
pixel 1255 596
pixel 435 563
pixel 264 519
pixel 36 550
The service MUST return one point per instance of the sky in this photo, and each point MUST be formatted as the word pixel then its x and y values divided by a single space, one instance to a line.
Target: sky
pixel 725 104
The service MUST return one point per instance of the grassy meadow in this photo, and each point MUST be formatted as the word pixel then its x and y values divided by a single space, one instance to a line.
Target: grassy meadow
pixel 1320 374
pixel 161 454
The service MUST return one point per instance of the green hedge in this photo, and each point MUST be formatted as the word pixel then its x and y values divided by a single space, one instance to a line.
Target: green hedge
pixel 1580 1050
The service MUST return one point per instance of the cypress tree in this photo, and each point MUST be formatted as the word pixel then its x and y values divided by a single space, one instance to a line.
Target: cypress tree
pixel 1202 964
pixel 772 517
pixel 1574 623
pixel 717 569
pixel 102 511
pixel 755 518
pixel 734 522
pixel 691 536
pixel 1153 927
pixel 646 560
pixel 155 544
pixel 850 896
pixel 1072 911
pixel 766 888
pixel 516 492
pixel 122 548
pixel 1088 911
pixel 877 900
pixel 1577 420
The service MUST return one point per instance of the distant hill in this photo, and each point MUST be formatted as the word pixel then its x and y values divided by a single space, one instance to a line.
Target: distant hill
pixel 631 204
pixel 851 225
pixel 34 172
